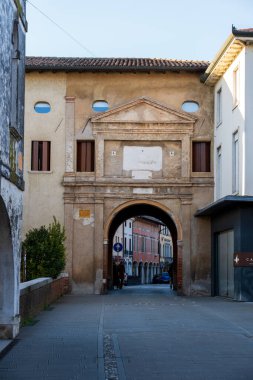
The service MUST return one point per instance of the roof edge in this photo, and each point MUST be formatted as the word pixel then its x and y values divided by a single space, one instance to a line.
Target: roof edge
pixel 222 203
pixel 89 64
pixel 235 35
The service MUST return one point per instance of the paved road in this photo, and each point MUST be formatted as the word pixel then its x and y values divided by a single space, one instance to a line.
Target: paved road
pixel 138 333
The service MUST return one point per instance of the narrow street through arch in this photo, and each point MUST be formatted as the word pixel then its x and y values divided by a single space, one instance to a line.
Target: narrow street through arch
pixel 150 212
pixel 140 247
pixel 140 334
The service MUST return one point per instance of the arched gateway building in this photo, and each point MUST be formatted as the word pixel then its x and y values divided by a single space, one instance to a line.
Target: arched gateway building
pixel 111 139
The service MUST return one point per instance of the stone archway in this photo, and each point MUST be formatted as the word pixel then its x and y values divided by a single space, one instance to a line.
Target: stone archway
pixel 150 208
pixel 6 275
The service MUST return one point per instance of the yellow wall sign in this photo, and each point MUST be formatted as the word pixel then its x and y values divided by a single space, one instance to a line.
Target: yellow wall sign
pixel 84 213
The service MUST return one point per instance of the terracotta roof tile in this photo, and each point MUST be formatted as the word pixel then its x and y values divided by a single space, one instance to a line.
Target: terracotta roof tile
pixel 250 30
pixel 112 64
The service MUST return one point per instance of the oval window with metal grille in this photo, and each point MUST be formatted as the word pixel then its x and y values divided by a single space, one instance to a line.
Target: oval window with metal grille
pixel 100 106
pixel 42 107
pixel 190 106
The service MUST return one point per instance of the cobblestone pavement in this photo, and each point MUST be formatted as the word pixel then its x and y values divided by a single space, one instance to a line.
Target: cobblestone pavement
pixel 137 333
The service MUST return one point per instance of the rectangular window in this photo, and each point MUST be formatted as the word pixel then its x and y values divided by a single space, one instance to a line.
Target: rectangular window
pixel 142 244
pixel 235 87
pixel 40 155
pixel 85 156
pixel 218 173
pixel 201 156
pixel 219 107
pixel 235 163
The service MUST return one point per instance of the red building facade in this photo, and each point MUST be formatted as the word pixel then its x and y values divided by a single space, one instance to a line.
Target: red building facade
pixel 146 259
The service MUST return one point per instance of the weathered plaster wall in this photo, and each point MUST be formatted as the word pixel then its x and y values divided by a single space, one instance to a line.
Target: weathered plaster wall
pixel 12 31
pixel 173 185
pixel 90 198
pixel 171 89
pixel 43 197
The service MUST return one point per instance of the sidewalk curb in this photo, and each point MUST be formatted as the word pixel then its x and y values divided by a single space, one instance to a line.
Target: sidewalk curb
pixel 6 345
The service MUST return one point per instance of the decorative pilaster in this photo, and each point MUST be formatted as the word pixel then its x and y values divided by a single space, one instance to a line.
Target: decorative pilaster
pixel 98 246
pixel 99 151
pixel 186 156
pixel 68 223
pixel 105 265
pixel 186 251
pixel 70 133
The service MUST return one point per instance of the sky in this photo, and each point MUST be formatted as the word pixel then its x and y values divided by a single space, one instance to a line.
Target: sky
pixel 175 29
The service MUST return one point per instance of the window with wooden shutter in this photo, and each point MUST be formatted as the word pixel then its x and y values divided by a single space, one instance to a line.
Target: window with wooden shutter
pixel 201 156
pixel 85 156
pixel 40 155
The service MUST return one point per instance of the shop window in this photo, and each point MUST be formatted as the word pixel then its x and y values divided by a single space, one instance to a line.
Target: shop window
pixel 41 155
pixel 85 156
pixel 201 156
pixel 190 106
pixel 100 106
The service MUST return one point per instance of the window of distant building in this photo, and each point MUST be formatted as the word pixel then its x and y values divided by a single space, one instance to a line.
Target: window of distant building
pixel 219 107
pixel 42 107
pixel 236 87
pixel 40 155
pixel 218 172
pixel 100 106
pixel 235 163
pixel 190 106
pixel 201 156
pixel 85 156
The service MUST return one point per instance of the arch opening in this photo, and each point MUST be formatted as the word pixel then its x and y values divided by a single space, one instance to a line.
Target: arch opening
pixel 144 271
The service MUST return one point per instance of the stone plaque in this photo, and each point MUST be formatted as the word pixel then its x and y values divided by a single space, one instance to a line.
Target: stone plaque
pixel 243 259
pixel 142 158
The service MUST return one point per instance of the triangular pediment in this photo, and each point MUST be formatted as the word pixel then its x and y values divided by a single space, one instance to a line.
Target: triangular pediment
pixel 143 110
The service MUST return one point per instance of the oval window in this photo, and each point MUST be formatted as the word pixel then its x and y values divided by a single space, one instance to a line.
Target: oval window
pixel 42 107
pixel 190 106
pixel 100 106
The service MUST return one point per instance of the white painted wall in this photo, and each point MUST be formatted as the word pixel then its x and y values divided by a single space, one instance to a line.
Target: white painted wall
pixel 233 119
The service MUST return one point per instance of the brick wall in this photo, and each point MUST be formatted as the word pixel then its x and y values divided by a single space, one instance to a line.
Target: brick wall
pixel 37 296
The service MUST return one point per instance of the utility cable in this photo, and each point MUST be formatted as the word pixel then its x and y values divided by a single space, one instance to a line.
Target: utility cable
pixel 62 29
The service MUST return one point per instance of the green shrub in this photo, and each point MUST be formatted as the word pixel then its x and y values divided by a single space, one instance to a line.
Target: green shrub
pixel 44 251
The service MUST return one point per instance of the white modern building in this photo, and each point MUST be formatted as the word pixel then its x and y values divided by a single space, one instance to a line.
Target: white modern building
pixel 231 75
pixel 124 236
pixel 166 247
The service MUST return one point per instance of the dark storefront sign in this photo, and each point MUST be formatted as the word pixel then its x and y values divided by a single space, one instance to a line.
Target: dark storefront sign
pixel 243 259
